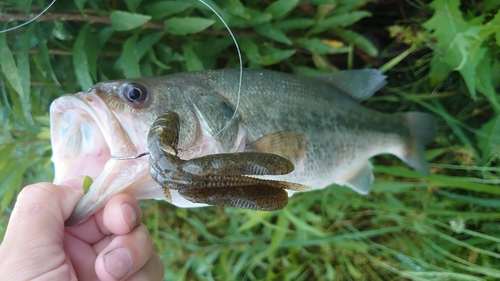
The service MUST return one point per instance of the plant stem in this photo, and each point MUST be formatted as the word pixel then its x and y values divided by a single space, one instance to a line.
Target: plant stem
pixel 71 17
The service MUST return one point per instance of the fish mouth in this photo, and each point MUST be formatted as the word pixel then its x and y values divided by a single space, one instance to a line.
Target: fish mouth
pixel 85 135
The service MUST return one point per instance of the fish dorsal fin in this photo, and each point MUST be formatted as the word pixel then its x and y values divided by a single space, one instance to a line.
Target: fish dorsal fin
pixel 360 84
pixel 361 179
pixel 290 145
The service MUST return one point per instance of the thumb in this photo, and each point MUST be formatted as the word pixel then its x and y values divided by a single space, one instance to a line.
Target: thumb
pixel 39 214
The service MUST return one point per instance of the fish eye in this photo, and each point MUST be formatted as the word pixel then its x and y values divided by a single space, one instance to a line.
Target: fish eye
pixel 135 93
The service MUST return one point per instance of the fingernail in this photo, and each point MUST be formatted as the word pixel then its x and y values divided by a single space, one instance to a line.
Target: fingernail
pixel 129 214
pixel 118 262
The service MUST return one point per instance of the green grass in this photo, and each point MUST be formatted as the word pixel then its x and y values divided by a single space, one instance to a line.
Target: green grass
pixel 410 227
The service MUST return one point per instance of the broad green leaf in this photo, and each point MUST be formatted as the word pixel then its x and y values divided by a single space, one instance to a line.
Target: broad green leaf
pixel 160 10
pixel 60 32
pixel 292 24
pixel 92 53
pixel 190 25
pixel 446 22
pixel 491 5
pixel 147 42
pixel 341 20
pixel 267 30
pixel 160 64
pixel 484 80
pixel 5 112
pixel 250 49
pixel 321 46
pixel 216 46
pixel 256 18
pixel 272 55
pixel 23 66
pixel 464 55
pixel 322 2
pixel 21 3
pixel 460 41
pixel 237 9
pixel 166 53
pixel 123 21
pixel 307 71
pixel 439 70
pixel 79 4
pixel 493 26
pixel 133 4
pixel 201 6
pixel 147 68
pixel 5 152
pixel 348 5
pixel 193 63
pixel 358 40
pixel 322 63
pixel 80 60
pixel 43 55
pixel 488 140
pixel 130 59
pixel 9 67
pixel 281 7
pixel 104 35
pixel 12 177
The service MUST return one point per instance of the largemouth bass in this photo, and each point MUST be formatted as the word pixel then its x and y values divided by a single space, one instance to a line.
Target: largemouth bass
pixel 316 123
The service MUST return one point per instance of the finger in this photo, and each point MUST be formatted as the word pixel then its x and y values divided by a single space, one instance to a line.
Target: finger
pixel 119 216
pixel 40 211
pixel 125 255
pixel 82 257
pixel 151 271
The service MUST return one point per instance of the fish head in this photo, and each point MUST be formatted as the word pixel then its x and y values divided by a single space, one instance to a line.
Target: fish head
pixel 109 119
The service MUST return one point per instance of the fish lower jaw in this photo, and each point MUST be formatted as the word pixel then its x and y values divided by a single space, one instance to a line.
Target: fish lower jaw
pixel 85 136
pixel 128 176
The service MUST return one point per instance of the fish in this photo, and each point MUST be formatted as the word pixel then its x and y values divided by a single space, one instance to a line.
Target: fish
pixel 317 123
pixel 216 179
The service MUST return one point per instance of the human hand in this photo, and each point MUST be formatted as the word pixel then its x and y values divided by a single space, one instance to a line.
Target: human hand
pixel 112 244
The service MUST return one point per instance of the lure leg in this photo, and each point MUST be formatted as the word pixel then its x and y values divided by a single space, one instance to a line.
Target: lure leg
pixel 253 197
pixel 217 179
pixel 239 163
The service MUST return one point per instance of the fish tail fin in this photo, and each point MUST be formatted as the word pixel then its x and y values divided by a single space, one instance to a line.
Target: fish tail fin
pixel 422 127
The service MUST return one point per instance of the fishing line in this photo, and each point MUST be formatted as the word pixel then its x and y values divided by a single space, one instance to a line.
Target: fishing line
pixel 31 20
pixel 240 78
pixel 240 81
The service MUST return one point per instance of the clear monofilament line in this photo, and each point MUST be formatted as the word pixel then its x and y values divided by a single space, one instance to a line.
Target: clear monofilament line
pixel 240 78
pixel 31 20
pixel 240 81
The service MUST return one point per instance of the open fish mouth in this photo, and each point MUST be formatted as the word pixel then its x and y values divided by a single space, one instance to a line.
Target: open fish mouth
pixel 85 135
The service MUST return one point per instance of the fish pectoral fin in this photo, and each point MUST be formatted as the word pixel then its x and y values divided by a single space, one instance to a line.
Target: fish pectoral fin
pixel 215 114
pixel 289 144
pixel 253 197
pixel 360 179
pixel 239 163
pixel 360 84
